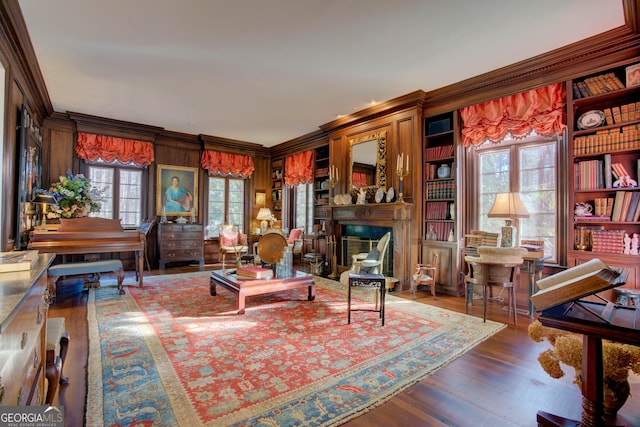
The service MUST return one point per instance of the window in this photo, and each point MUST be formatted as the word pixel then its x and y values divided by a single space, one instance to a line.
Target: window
pixel 226 204
pixel 303 208
pixel 529 167
pixel 122 188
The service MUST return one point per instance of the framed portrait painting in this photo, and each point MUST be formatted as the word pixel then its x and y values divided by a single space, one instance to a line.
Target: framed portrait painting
pixel 176 191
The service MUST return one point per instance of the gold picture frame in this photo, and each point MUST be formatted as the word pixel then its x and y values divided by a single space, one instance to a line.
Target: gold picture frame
pixel 179 200
pixel 261 198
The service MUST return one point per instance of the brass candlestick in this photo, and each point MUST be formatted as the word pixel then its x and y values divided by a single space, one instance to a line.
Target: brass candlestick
pixel 402 173
pixel 331 182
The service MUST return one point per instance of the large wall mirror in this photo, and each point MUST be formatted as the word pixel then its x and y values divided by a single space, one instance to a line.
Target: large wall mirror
pixel 368 162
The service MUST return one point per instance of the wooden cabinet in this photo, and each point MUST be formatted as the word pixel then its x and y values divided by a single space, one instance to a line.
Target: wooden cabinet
pixel 24 302
pixel 277 180
pixel 180 242
pixel 604 143
pixel 321 190
pixel 440 223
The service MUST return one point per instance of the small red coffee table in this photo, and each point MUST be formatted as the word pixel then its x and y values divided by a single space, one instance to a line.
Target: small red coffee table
pixel 244 288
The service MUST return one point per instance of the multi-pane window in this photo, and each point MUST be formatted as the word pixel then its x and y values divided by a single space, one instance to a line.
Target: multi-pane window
pixel 530 168
pixel 303 208
pixel 122 189
pixel 226 204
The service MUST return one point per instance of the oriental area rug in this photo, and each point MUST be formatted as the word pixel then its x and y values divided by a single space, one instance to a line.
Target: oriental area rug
pixel 170 354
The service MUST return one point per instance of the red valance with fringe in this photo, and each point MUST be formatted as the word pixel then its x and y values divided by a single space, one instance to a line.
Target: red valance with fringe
pixel 540 110
pixel 298 168
pixel 109 148
pixel 227 164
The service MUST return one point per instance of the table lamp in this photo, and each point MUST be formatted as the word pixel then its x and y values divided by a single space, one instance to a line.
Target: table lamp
pixel 44 200
pixel 264 215
pixel 510 207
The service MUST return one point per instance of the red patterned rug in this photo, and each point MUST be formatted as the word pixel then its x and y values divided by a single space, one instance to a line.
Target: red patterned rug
pixel 170 354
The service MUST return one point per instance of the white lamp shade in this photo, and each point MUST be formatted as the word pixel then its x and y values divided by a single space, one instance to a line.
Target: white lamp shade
pixel 264 214
pixel 508 205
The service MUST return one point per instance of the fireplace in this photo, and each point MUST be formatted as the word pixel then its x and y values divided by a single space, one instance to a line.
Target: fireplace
pixel 394 217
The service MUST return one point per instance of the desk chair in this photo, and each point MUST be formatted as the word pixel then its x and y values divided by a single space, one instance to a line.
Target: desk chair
pixel 146 226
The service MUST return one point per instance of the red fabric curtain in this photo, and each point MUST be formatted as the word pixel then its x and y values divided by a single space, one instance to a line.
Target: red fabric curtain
pixel 359 179
pixel 109 148
pixel 541 110
pixel 227 164
pixel 298 168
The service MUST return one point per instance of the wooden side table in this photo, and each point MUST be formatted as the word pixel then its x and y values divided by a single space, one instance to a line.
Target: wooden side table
pixel 367 281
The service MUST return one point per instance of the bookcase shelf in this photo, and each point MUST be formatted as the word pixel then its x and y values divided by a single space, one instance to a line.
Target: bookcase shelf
pixel 598 152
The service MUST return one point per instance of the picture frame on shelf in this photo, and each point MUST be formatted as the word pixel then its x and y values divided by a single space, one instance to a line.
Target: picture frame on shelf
pixel 633 75
pixel 176 198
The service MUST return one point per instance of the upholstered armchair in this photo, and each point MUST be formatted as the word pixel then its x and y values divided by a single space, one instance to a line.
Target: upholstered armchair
pixel 295 242
pixel 232 242
pixel 370 263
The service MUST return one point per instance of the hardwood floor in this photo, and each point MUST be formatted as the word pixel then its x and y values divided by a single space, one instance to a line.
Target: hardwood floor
pixel 497 383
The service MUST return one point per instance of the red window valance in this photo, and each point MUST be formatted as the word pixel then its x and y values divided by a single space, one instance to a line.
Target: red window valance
pixel 298 168
pixel 540 110
pixel 227 164
pixel 109 148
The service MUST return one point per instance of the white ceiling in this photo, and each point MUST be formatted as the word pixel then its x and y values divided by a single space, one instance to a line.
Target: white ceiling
pixel 267 71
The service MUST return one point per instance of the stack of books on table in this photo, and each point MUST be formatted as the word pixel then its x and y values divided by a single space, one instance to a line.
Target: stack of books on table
pixel 252 272
pixel 17 261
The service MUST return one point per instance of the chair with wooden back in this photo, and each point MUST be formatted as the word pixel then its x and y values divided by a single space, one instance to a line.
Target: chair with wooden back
pixel 495 267
pixel 426 274
pixel 146 226
pixel 232 242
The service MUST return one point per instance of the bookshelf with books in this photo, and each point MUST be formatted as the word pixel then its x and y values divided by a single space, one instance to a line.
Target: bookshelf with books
pixel 604 148
pixel 440 227
pixel 321 190
pixel 277 183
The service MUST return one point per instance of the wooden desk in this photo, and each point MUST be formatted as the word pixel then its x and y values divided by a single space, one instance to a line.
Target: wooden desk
pixel 244 288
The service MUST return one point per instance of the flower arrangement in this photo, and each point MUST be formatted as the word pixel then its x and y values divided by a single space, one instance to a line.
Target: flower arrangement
pixel 75 196
pixel 618 360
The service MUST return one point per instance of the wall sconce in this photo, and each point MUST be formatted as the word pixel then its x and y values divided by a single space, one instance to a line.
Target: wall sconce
pixel 264 215
pixel 510 207
pixel 44 200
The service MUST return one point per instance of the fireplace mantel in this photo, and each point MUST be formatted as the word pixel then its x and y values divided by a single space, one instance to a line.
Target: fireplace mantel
pixel 396 216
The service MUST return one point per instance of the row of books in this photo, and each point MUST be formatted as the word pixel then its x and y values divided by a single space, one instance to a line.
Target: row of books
pixel 438 230
pixel 624 207
pixel 598 174
pixel 431 170
pixel 625 138
pixel 622 114
pixel 441 190
pixel 439 152
pixel 437 210
pixel 480 238
pixel 607 241
pixel 596 85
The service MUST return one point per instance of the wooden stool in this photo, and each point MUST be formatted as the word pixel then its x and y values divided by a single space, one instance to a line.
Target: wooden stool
pixel 57 346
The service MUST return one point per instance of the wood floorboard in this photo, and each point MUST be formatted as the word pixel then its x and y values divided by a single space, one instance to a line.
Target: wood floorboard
pixel 498 383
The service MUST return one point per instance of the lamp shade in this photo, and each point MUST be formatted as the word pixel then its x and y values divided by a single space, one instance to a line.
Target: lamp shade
pixel 508 205
pixel 264 214
pixel 45 198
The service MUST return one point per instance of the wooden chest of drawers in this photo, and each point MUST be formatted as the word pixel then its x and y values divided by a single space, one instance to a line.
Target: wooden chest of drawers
pixel 24 305
pixel 180 242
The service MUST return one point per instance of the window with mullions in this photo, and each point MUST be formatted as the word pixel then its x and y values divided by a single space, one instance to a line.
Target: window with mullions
pixel 226 204
pixel 529 167
pixel 122 189
pixel 303 214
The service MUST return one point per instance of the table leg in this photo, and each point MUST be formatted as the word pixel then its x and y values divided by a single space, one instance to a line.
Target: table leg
pixel 349 304
pixel 212 287
pixel 312 293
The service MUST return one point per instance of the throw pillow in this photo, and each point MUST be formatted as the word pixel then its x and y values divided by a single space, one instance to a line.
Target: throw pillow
pixel 230 238
pixel 374 254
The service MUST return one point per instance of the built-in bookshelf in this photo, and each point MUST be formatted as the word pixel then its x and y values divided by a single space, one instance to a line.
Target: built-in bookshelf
pixel 440 198
pixel 277 177
pixel 320 185
pixel 604 143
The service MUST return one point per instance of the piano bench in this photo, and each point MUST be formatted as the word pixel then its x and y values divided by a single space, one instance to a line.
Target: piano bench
pixel 78 268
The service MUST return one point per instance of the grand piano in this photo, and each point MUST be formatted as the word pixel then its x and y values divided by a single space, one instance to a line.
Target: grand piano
pixel 90 236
